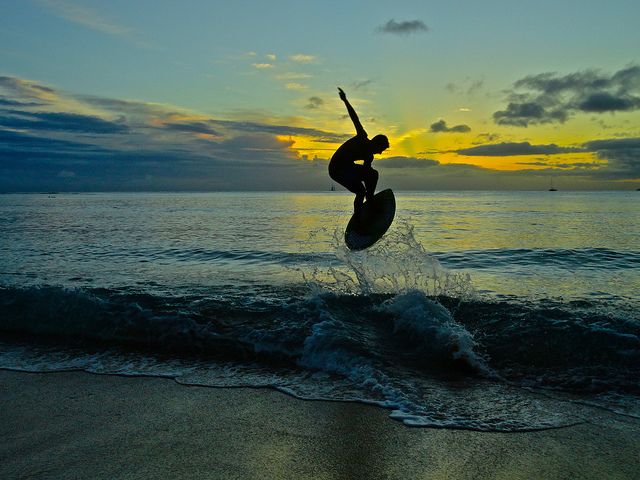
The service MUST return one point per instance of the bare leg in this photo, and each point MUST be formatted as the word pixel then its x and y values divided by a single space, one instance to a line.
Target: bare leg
pixel 370 182
pixel 354 180
pixel 357 203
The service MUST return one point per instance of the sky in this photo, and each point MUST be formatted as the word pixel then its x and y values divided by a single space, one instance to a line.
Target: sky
pixel 146 95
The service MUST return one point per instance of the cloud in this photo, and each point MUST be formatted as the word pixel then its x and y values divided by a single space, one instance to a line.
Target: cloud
pixel 293 76
pixel 403 27
pixel 554 98
pixel 619 158
pixel 468 86
pixel 83 15
pixel 147 146
pixel 4 102
pixel 441 126
pixel 135 145
pixel 622 156
pixel 18 143
pixel 314 102
pixel 294 86
pixel 513 148
pixel 262 66
pixel 253 161
pixel 606 102
pixel 302 58
pixel 280 130
pixel 613 144
pixel 26 89
pixel 61 121
pixel 194 127
pixel 406 162
pixel 576 165
pixel 361 84
pixel 132 107
pixel 527 113
pixel 485 137
pixel 475 86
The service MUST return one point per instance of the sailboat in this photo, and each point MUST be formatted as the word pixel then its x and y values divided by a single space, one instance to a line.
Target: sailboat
pixel 333 188
pixel 551 189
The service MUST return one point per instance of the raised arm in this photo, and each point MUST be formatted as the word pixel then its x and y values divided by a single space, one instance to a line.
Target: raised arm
pixel 352 114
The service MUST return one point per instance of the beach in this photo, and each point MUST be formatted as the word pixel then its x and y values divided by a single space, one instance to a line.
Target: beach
pixel 80 425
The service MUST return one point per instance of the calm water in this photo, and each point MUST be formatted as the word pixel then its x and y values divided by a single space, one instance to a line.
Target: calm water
pixel 483 310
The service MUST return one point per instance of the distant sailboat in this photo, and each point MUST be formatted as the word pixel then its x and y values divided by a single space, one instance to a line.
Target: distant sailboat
pixel 333 188
pixel 551 189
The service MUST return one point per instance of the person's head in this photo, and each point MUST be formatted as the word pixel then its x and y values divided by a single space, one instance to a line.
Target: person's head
pixel 379 143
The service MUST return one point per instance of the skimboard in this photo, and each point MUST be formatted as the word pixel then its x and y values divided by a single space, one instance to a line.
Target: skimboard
pixel 366 228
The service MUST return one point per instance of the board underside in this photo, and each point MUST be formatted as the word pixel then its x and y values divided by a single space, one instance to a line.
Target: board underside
pixel 375 219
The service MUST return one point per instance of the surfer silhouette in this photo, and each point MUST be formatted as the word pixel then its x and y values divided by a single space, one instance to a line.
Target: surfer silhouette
pixel 359 179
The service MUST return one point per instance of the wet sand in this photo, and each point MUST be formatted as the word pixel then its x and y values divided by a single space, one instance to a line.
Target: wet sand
pixel 78 425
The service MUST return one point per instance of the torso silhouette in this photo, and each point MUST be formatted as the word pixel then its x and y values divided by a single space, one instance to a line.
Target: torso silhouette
pixel 356 148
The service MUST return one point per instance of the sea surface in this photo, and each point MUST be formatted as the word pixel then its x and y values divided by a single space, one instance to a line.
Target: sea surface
pixel 489 311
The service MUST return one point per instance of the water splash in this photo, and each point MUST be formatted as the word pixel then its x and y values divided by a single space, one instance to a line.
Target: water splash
pixel 399 266
pixel 396 264
pixel 432 327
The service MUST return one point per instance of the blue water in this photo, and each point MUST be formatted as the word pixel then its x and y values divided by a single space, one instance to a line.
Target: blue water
pixel 479 310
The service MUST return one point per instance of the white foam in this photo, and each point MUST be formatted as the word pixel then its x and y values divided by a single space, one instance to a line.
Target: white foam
pixel 432 324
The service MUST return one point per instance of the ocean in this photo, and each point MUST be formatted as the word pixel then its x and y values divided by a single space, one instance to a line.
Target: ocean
pixel 491 311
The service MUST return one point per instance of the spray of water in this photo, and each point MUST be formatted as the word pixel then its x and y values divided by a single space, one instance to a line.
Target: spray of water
pixel 397 263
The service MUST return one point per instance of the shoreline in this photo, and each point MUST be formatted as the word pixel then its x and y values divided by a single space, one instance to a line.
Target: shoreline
pixel 83 425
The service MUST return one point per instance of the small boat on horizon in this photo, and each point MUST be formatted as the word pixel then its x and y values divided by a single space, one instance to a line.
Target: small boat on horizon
pixel 551 188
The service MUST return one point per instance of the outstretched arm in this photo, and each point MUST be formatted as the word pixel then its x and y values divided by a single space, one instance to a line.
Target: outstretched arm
pixel 352 114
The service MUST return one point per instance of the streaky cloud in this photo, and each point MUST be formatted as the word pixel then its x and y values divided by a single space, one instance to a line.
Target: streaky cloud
pixel 303 58
pixel 194 127
pixel 361 84
pixel 61 121
pixel 27 89
pixel 13 143
pixel 576 165
pixel 507 149
pixel 255 127
pixel 85 16
pixel 5 102
pixel 406 162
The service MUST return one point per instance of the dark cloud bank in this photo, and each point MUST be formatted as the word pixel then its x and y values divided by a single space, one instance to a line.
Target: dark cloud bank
pixel 622 156
pixel 515 148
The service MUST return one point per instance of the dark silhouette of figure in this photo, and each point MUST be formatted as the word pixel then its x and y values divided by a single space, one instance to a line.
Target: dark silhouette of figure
pixel 359 179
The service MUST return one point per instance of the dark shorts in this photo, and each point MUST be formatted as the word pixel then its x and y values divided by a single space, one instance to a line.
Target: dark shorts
pixel 351 177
